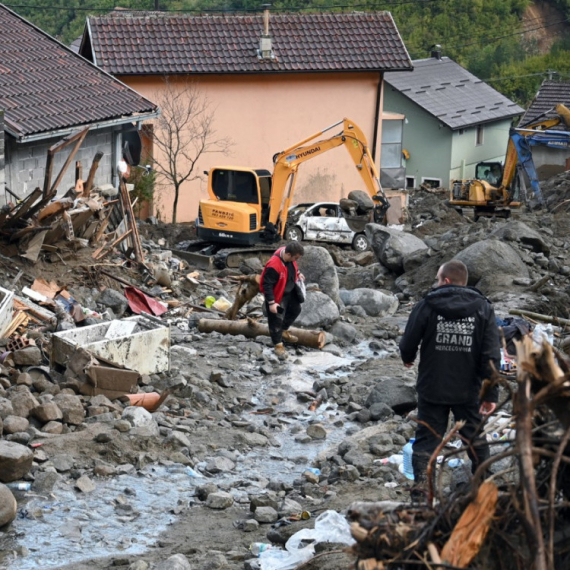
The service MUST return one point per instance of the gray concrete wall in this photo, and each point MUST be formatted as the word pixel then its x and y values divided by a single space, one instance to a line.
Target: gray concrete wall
pixel 2 159
pixel 25 163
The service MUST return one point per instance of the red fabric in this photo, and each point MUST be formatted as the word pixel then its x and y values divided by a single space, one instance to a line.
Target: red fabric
pixel 139 302
pixel 279 265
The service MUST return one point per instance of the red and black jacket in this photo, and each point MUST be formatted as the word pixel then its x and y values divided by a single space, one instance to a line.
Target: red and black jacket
pixel 274 277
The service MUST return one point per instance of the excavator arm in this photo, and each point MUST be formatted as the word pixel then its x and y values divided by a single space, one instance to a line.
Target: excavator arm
pixel 287 162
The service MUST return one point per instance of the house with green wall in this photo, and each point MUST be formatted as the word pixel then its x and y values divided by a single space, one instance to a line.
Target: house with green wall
pixel 453 120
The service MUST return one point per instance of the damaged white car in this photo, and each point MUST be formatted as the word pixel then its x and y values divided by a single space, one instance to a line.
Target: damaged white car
pixel 322 222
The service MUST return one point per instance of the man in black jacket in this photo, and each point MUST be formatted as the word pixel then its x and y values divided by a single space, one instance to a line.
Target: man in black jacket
pixel 456 328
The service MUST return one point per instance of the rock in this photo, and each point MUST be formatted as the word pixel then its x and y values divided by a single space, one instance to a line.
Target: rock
pixel 365 258
pixel 85 485
pixel 114 300
pixel 375 303
pixel 344 331
pixel 250 525
pixel 178 439
pixel 516 231
pixel 47 412
pixel 311 477
pixel 53 427
pixel 394 393
pixel 14 424
pixel 265 515
pixel 360 460
pixel 318 267
pixel 266 500
pixel 253 439
pixel 8 506
pixel 318 310
pixel 492 258
pixel 219 500
pixel 220 465
pixel 24 379
pixel 380 411
pixel 141 419
pixel 15 461
pixel 23 402
pixel 62 462
pixel 45 481
pixel 316 431
pixel 29 356
pixel 203 491
pixel 391 246
pixel 71 408
pixel 289 507
pixel 6 408
pixel 176 562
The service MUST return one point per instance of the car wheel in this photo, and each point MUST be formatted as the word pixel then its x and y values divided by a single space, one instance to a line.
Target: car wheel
pixel 294 233
pixel 360 243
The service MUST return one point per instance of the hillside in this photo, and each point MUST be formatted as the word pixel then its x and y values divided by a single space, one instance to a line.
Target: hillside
pixel 509 43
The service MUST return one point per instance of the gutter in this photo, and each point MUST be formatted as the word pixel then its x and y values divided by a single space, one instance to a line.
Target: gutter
pixel 92 126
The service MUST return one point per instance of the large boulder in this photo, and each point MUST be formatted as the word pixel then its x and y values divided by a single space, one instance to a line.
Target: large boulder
pixel 71 408
pixel 15 461
pixel 318 310
pixel 394 392
pixel 318 267
pixel 8 506
pixel 516 231
pixel 116 301
pixel 375 303
pixel 391 246
pixel 491 257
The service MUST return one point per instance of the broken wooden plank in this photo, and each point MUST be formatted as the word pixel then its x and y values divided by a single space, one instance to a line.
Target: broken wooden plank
pixel 94 165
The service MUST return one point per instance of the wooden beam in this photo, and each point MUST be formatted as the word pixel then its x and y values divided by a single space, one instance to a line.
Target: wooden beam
pixel 94 165
pixel 78 139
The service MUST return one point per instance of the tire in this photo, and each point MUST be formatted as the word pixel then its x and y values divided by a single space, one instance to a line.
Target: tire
pixel 360 243
pixel 294 233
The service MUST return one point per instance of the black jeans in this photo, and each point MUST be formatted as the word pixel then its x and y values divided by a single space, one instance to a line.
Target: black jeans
pixel 437 416
pixel 279 322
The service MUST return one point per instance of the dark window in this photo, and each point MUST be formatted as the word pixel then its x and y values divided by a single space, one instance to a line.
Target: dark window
pixel 479 140
pixel 235 186
pixel 410 182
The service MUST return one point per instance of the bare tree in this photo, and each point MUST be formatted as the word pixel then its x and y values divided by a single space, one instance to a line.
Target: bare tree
pixel 183 133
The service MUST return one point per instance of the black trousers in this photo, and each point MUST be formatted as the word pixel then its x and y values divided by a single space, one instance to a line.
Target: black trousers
pixel 279 322
pixel 437 416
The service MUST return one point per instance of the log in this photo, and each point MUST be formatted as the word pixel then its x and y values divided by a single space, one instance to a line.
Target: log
pixel 94 165
pixel 538 317
pixel 244 295
pixel 471 528
pixel 253 329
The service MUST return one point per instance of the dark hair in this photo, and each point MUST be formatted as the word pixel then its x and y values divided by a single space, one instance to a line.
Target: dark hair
pixel 455 271
pixel 294 248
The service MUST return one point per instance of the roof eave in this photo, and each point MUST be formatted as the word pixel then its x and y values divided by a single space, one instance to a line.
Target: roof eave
pixel 21 138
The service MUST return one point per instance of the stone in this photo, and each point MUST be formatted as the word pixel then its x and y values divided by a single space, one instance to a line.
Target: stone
pixel 23 402
pixel 289 507
pixel 203 491
pixel 391 246
pixel 492 258
pixel 47 412
pixel 71 408
pixel 62 462
pixel 219 500
pixel 140 418
pixel 250 525
pixel 318 267
pixel 365 258
pixel 28 356
pixel 316 431
pixel 318 310
pixel 220 465
pixel 175 562
pixel 265 515
pixel 380 411
pixel 8 506
pixel 114 300
pixel 311 477
pixel 344 331
pixel 265 500
pixel 253 439
pixel 6 408
pixel 375 303
pixel 395 393
pixel 516 231
pixel 45 482
pixel 14 424
pixel 15 461
pixel 85 485
pixel 178 439
pixel 53 427
pixel 24 379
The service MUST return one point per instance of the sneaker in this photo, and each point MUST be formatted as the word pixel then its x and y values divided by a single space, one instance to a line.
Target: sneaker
pixel 280 351
pixel 289 337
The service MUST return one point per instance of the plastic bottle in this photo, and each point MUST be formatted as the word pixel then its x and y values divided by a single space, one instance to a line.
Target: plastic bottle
pixel 396 459
pixel 314 470
pixel 19 486
pixel 257 548
pixel 408 469
pixel 455 462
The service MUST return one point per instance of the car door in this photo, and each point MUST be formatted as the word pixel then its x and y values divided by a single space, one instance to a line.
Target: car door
pixel 324 223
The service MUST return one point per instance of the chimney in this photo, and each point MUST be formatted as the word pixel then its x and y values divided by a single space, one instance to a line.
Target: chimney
pixel 435 51
pixel 265 50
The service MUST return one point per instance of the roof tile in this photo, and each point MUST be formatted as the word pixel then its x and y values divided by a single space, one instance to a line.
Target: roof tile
pixel 549 95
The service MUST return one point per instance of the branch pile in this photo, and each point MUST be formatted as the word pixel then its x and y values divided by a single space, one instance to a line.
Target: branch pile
pixel 515 513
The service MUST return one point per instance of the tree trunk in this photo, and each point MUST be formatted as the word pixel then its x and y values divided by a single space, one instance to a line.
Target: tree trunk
pixel 175 204
pixel 251 329
pixel 244 295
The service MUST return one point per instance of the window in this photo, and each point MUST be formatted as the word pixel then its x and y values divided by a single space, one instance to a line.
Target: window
pixel 235 186
pixel 432 182
pixel 461 131
pixel 410 181
pixel 479 140
pixel 392 144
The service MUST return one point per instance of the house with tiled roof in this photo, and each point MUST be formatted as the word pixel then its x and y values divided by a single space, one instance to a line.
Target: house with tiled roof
pixel 273 80
pixel 454 120
pixel 48 92
pixel 549 161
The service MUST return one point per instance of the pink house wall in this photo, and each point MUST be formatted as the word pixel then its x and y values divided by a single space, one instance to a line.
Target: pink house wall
pixel 264 114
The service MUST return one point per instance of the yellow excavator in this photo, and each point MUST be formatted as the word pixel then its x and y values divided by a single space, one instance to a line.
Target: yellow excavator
pixel 248 206
pixel 495 189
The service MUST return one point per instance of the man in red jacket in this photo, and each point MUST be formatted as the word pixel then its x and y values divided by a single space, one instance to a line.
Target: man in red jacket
pixel 282 301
